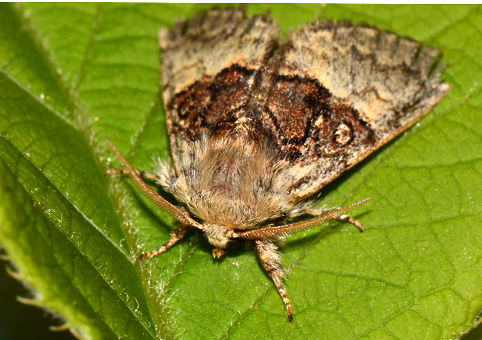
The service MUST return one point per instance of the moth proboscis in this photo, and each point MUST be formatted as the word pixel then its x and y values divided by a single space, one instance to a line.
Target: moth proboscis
pixel 257 127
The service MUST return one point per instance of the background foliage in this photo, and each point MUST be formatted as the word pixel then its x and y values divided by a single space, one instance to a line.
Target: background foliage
pixel 72 74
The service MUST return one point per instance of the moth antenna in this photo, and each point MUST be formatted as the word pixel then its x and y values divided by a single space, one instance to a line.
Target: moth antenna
pixel 149 193
pixel 273 232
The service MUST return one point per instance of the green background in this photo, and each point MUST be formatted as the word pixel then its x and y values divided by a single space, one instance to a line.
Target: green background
pixel 73 74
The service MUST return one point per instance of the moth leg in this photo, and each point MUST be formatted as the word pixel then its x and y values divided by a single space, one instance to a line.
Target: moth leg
pixel 217 253
pixel 140 173
pixel 345 218
pixel 176 234
pixel 270 258
pixel 351 220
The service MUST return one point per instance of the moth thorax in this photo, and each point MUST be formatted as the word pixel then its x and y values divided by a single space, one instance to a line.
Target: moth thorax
pixel 239 135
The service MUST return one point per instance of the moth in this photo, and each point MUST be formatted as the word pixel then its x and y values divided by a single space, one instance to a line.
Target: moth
pixel 257 126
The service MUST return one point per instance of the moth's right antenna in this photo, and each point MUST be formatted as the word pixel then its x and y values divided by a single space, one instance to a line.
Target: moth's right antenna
pixel 274 232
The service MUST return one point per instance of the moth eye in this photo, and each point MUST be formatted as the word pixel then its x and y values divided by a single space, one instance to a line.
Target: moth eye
pixel 343 134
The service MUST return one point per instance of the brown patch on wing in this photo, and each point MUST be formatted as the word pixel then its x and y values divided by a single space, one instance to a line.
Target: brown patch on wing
pixel 310 123
pixel 210 101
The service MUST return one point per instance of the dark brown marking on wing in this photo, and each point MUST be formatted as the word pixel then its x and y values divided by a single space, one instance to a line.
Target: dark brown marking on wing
pixel 211 100
pixel 311 123
pixel 293 103
pixel 229 91
pixel 299 114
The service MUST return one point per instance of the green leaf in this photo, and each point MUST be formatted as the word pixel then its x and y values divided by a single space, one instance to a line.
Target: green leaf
pixel 73 74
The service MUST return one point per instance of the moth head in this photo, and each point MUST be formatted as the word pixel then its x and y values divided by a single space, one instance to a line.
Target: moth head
pixel 221 237
pixel 217 235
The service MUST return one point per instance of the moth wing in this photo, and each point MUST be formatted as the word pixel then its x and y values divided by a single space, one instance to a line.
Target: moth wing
pixel 378 84
pixel 194 52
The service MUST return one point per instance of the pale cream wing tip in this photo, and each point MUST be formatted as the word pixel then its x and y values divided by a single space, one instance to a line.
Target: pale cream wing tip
pixel 212 24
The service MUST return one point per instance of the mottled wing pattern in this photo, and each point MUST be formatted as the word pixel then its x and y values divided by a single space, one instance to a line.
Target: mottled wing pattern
pixel 351 89
pixel 204 69
pixel 331 94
